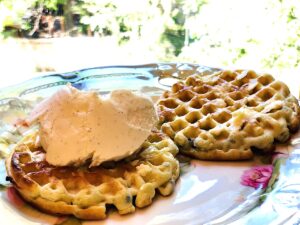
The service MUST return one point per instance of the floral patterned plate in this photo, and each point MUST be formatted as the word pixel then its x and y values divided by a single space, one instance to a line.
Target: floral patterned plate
pixel 265 190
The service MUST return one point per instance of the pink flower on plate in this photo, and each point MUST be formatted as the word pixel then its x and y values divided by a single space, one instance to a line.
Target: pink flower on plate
pixel 257 176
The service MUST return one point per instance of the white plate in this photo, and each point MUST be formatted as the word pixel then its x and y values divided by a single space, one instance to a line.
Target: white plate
pixel 205 193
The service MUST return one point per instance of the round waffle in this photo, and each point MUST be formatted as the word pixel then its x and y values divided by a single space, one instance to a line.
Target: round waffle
pixel 87 192
pixel 224 115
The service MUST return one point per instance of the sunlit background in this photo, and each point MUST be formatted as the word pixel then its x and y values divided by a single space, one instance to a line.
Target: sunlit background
pixel 62 35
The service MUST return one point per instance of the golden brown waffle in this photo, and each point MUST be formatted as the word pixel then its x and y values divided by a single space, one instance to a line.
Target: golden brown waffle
pixel 223 115
pixel 86 192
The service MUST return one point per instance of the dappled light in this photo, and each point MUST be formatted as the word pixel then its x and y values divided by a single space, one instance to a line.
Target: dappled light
pixel 63 35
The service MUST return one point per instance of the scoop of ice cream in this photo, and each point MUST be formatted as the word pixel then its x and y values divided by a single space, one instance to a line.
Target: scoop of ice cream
pixel 76 126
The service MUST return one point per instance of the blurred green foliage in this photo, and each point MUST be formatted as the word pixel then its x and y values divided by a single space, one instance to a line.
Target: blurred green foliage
pixel 218 33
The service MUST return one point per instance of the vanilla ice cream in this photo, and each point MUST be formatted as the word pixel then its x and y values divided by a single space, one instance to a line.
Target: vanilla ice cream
pixel 76 126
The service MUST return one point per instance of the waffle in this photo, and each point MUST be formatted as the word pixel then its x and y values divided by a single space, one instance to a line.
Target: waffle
pixel 87 192
pixel 224 116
